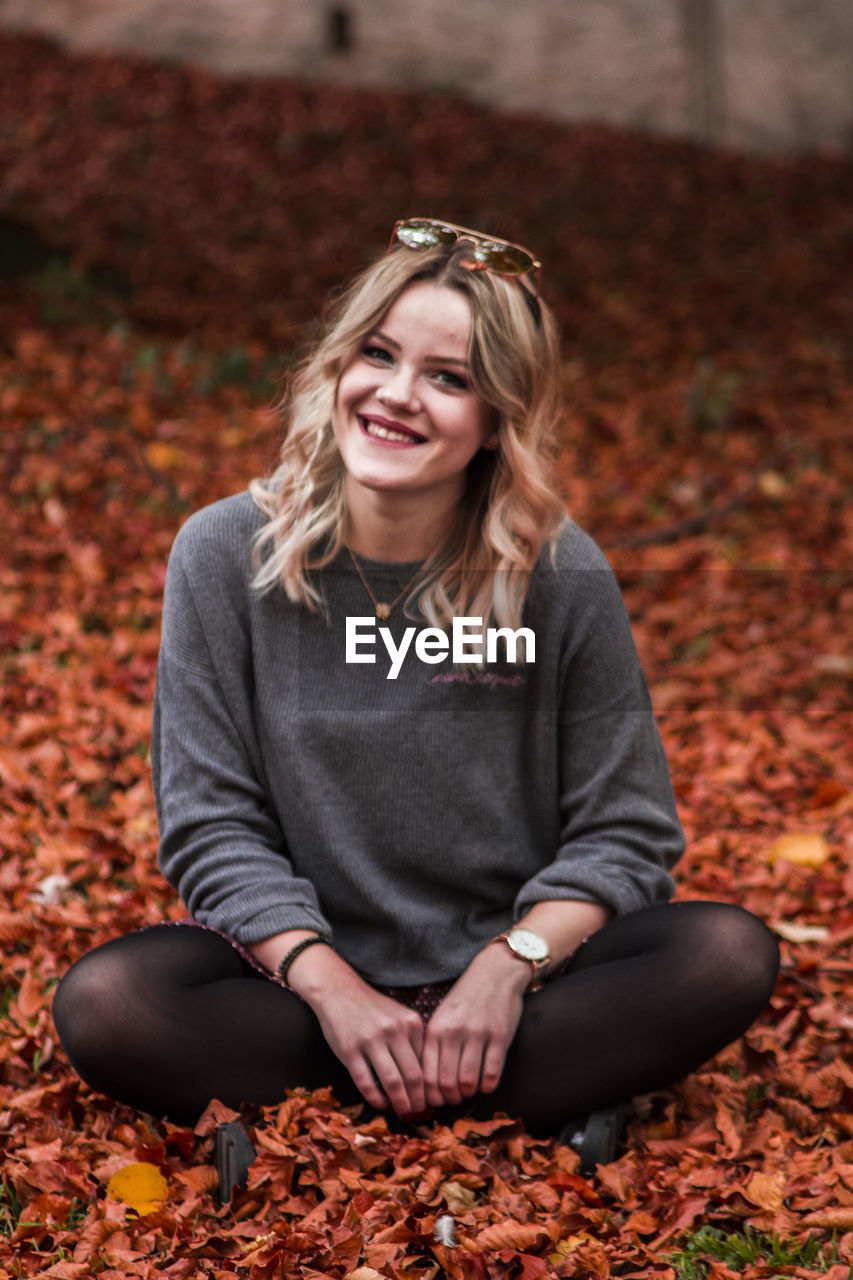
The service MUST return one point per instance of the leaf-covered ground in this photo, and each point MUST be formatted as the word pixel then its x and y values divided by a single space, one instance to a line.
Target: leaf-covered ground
pixel 195 226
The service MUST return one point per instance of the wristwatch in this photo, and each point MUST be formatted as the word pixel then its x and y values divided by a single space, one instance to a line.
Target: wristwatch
pixel 528 946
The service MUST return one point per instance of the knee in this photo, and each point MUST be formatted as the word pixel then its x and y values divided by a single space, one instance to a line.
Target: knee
pixel 739 954
pixel 89 1006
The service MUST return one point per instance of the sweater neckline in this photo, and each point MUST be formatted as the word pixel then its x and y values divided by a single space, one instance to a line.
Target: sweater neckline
pixel 344 560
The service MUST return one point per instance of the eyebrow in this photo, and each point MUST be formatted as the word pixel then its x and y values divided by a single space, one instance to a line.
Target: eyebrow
pixel 463 364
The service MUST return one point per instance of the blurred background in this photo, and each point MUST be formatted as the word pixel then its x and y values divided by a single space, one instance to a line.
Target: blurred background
pixel 181 186
pixel 767 75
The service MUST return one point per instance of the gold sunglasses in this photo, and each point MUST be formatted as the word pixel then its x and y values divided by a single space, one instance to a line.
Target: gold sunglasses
pixel 487 254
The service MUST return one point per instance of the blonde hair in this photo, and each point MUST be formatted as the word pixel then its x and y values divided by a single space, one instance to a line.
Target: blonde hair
pixel 511 506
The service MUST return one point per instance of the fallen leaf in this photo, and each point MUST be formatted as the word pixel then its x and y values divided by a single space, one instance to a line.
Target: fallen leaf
pixel 797 933
pixel 459 1199
pixel 807 849
pixel 767 1190
pixel 509 1235
pixel 141 1186
pixel 832 1219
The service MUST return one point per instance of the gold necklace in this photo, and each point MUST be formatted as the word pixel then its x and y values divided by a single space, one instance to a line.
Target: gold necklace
pixel 383 611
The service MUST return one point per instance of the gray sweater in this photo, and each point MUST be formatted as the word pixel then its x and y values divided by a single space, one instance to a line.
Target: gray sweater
pixel 412 818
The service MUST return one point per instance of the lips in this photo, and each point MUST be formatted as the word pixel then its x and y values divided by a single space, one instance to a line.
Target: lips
pixel 389 431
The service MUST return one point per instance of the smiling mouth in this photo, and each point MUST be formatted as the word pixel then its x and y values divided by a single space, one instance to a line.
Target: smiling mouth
pixel 394 434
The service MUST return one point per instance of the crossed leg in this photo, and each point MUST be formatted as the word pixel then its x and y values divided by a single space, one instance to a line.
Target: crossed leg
pixel 171 1017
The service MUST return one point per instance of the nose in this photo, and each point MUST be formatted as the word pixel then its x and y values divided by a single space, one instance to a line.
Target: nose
pixel 399 389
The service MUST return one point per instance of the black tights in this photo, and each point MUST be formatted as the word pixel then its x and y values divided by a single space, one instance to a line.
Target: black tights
pixel 171 1017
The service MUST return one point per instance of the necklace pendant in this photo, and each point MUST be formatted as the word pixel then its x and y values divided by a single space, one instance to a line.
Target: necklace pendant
pixel 382 610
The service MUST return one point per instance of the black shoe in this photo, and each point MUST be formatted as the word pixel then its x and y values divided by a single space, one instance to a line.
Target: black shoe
pixel 595 1137
pixel 235 1153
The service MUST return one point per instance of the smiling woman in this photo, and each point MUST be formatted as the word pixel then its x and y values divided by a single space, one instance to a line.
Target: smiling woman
pixel 408 421
pixel 444 888
pixel 464 365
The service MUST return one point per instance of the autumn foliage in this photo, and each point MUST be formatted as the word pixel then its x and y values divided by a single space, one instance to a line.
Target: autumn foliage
pixel 195 226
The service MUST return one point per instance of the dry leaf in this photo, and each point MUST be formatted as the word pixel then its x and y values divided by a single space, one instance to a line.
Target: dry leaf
pixel 767 1190
pixel 509 1235
pixel 141 1186
pixel 459 1199
pixel 833 1219
pixel 798 933
pixel 807 849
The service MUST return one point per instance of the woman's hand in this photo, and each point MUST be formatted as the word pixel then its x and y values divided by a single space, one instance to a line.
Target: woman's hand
pixel 468 1035
pixel 378 1040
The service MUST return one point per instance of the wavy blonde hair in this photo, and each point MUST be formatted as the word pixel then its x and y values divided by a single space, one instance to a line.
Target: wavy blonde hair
pixel 511 507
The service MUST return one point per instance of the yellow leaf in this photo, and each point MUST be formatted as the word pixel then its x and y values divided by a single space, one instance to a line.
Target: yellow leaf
pixel 140 1186
pixel 163 455
pixel 793 932
pixel 772 484
pixel 567 1246
pixel 808 849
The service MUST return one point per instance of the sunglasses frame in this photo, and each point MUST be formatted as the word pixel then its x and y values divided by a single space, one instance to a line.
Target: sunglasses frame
pixel 478 239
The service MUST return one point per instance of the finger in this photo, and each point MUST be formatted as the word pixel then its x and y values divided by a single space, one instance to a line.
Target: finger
pixel 417 1035
pixel 493 1065
pixel 470 1067
pixel 366 1083
pixel 429 1064
pixel 411 1070
pixel 391 1079
pixel 448 1070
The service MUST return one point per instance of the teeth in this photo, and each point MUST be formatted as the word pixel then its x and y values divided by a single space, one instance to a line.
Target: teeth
pixel 384 433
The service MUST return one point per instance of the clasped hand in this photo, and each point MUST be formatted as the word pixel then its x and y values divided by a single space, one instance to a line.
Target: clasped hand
pixel 395 1061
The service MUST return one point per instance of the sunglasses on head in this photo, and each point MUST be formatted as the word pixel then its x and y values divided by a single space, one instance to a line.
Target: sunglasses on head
pixel 501 257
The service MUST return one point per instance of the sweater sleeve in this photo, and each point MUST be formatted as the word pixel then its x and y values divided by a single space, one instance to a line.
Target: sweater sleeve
pixel 221 845
pixel 619 828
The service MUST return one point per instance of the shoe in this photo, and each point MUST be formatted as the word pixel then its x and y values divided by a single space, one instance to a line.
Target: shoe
pixel 596 1137
pixel 235 1153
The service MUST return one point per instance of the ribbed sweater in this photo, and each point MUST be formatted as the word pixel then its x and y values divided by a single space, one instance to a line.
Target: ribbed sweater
pixel 414 818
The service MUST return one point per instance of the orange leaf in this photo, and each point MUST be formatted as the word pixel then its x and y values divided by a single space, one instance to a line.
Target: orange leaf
pixel 767 1190
pixel 840 1216
pixel 29 996
pixel 509 1235
pixel 643 1223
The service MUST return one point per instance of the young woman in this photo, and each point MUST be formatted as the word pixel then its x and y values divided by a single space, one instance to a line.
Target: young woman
pixel 409 782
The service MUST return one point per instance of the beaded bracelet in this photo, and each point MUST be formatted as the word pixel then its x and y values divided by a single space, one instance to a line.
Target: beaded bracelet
pixel 284 965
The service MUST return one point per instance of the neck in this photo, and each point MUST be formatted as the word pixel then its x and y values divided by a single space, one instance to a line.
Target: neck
pixel 381 530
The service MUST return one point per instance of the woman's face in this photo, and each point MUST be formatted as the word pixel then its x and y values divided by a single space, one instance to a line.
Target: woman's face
pixel 406 419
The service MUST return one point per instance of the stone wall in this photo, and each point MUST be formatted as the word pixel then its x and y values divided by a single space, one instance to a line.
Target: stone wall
pixel 757 74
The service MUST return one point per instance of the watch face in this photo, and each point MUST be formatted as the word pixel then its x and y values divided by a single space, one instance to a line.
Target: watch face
pixel 528 944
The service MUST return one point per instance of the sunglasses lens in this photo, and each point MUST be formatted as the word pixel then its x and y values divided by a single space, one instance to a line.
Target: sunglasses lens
pixel 505 259
pixel 424 235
